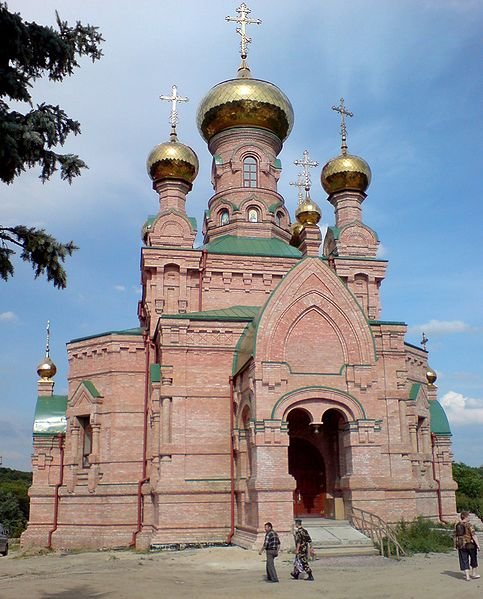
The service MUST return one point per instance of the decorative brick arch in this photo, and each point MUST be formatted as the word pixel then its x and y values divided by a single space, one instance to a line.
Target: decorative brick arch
pixel 312 295
pixel 316 400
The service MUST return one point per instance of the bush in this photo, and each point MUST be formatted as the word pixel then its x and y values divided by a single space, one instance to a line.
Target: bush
pixel 424 536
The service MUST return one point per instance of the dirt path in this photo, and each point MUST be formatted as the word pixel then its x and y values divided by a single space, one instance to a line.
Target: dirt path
pixel 225 572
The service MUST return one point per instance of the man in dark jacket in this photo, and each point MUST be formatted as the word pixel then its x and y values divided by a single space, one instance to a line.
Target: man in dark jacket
pixel 271 545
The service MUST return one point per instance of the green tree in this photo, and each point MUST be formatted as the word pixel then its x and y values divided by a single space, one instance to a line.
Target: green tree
pixel 469 495
pixel 11 516
pixel 27 139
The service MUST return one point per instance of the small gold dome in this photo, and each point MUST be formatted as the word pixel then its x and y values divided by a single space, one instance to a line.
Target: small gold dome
pixel 431 376
pixel 296 229
pixel 172 160
pixel 46 369
pixel 345 172
pixel 245 102
pixel 308 213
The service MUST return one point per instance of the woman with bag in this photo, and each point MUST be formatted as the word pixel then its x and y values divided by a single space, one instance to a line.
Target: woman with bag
pixel 467 545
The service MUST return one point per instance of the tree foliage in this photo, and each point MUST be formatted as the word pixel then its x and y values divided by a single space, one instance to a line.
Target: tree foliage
pixel 31 138
pixel 469 495
pixel 14 499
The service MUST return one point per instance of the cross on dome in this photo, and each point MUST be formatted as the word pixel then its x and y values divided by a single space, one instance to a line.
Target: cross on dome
pixel 300 184
pixel 306 163
pixel 47 342
pixel 343 129
pixel 243 20
pixel 424 341
pixel 174 99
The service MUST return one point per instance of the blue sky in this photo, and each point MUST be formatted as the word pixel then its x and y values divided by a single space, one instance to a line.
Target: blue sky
pixel 410 71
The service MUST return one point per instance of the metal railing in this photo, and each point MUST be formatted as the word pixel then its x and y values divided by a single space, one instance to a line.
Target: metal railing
pixel 380 533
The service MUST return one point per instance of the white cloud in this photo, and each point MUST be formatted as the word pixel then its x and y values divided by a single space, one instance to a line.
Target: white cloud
pixel 441 327
pixel 462 410
pixel 8 317
pixel 119 288
pixel 381 251
pixel 137 289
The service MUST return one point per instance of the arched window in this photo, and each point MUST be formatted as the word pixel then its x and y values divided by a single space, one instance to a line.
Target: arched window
pixel 278 218
pixel 224 217
pixel 249 172
pixel 253 215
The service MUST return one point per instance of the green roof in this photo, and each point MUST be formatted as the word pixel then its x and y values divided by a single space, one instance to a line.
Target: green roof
pixel 413 392
pixel 49 416
pixel 135 331
pixel 438 418
pixel 388 322
pixel 89 385
pixel 252 246
pixel 233 314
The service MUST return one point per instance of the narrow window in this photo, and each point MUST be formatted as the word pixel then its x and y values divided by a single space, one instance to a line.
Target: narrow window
pixel 86 440
pixel 253 215
pixel 249 172
pixel 278 218
pixel 224 217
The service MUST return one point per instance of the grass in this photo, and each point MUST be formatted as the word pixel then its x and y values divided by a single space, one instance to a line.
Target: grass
pixel 424 536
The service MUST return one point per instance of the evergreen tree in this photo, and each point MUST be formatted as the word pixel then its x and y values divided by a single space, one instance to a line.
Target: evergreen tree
pixel 29 51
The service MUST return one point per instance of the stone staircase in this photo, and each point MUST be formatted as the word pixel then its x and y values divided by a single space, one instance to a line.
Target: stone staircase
pixel 333 538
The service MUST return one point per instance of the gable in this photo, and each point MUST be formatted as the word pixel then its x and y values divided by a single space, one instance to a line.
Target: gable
pixel 313 323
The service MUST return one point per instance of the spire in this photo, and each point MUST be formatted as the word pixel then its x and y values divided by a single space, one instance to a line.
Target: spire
pixel 243 20
pixel 343 129
pixel 307 212
pixel 173 117
pixel 46 369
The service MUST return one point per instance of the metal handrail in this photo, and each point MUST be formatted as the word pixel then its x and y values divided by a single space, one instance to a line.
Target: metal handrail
pixel 379 531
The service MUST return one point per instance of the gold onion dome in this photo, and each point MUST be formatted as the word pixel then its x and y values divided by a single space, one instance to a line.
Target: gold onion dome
pixel 172 160
pixel 46 369
pixel 345 171
pixel 308 212
pixel 431 376
pixel 245 102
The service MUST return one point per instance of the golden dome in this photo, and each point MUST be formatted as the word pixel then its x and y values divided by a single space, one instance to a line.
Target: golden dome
pixel 172 160
pixel 431 376
pixel 345 172
pixel 245 102
pixel 46 369
pixel 307 212
pixel 296 229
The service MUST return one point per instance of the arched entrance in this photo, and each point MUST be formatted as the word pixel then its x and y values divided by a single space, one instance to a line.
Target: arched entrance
pixel 315 462
pixel 306 465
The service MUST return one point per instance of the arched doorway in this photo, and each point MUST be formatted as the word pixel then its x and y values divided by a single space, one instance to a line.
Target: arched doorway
pixel 316 462
pixel 306 465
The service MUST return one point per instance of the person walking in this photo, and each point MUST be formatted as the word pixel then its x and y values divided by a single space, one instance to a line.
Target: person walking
pixel 303 548
pixel 466 542
pixel 271 546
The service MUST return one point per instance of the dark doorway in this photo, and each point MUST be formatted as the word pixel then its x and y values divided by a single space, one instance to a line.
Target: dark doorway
pixel 306 465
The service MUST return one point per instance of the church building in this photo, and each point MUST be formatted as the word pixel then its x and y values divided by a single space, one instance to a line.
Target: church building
pixel 260 383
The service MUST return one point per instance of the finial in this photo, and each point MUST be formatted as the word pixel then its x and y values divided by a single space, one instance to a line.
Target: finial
pixel 243 21
pixel 424 340
pixel 173 117
pixel 47 342
pixel 343 130
pixel 300 184
pixel 306 163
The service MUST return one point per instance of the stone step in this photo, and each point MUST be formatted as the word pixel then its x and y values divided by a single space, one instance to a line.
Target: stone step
pixel 337 538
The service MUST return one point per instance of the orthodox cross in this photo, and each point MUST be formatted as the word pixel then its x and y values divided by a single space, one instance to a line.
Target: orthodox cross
pixel 243 20
pixel 174 99
pixel 424 340
pixel 47 343
pixel 306 163
pixel 343 130
pixel 300 184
